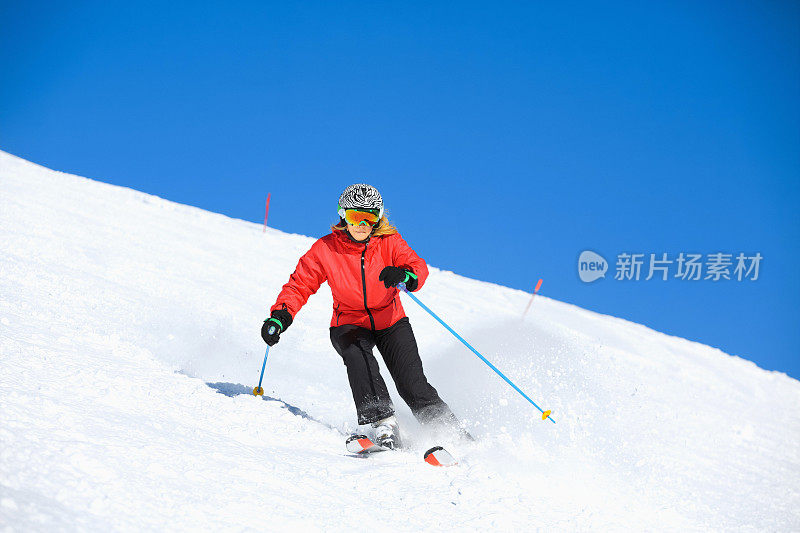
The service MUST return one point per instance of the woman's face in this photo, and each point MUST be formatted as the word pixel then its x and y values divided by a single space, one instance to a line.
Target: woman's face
pixel 359 233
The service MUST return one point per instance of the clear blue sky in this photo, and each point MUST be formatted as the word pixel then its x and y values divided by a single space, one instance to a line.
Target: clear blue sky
pixel 506 137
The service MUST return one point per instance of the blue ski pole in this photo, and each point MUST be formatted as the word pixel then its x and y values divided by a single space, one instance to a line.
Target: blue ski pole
pixel 258 391
pixel 545 414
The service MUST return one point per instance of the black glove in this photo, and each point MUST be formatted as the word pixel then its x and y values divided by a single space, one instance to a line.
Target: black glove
pixel 279 320
pixel 392 275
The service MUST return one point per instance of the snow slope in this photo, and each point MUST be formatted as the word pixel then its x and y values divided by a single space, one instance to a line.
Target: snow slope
pixel 129 344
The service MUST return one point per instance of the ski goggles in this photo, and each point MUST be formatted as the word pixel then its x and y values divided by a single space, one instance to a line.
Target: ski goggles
pixel 362 217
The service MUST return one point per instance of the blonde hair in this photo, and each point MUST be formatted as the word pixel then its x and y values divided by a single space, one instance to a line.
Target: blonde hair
pixel 384 227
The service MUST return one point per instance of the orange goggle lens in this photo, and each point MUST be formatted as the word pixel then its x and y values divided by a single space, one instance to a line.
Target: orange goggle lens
pixel 357 217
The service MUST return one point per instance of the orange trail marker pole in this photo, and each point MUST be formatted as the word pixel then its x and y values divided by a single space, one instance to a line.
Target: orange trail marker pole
pixel 266 212
pixel 538 286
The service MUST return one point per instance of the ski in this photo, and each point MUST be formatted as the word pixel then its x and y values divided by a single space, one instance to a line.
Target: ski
pixel 438 456
pixel 361 445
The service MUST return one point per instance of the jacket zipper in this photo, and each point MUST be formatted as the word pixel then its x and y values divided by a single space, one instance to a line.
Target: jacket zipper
pixel 364 286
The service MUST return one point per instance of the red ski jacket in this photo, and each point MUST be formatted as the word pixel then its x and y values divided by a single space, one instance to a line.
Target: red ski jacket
pixel 351 269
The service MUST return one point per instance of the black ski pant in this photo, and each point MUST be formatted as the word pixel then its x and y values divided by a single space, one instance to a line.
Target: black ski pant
pixel 398 347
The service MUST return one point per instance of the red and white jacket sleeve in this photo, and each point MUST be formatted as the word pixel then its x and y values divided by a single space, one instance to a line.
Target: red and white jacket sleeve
pixel 404 257
pixel 304 281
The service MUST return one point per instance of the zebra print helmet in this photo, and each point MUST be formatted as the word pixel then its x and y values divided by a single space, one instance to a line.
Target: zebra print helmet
pixel 360 196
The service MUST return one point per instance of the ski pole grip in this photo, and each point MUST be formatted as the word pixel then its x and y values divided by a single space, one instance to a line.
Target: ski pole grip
pixel 271 330
pixel 402 286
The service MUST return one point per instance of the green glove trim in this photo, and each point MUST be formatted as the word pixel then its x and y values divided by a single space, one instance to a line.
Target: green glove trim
pixel 280 326
pixel 409 275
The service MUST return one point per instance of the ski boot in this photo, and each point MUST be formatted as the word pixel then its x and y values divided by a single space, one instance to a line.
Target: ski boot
pixel 386 433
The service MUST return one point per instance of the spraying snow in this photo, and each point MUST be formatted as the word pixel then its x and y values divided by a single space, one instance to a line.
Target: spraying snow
pixel 129 345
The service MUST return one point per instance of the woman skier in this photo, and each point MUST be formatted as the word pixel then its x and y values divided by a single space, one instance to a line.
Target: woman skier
pixel 363 259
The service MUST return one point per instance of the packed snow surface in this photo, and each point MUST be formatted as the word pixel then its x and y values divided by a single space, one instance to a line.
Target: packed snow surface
pixel 129 344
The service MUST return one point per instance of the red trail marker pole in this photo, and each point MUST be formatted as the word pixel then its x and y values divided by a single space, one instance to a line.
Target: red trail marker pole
pixel 266 212
pixel 538 286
